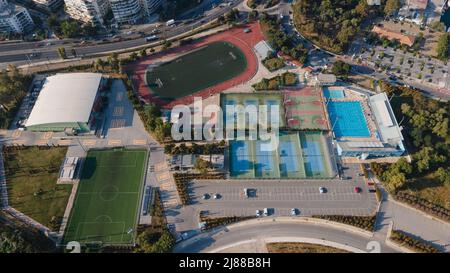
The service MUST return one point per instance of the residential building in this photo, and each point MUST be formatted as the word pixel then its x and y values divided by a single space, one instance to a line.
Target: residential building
pixel 127 11
pixel 14 19
pixel 51 5
pixel 150 6
pixel 87 11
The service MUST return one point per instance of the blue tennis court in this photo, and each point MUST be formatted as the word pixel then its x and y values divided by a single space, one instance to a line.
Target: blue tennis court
pixel 333 93
pixel 299 155
pixel 347 119
pixel 265 165
pixel 312 155
pixel 241 163
pixel 288 157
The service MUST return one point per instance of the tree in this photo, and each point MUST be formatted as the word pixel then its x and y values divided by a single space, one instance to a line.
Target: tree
pixel 442 47
pixel 341 68
pixel 202 165
pixel 166 45
pixel 143 52
pixel 70 29
pixel 443 176
pixel 391 7
pixel 395 182
pixel 62 53
pixel 438 26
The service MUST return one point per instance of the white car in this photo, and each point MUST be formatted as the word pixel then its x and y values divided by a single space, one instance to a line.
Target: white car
pixel 246 192
pixel 294 212
pixel 322 190
pixel 258 213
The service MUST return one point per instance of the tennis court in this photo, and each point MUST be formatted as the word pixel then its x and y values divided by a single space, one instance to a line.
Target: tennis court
pixel 299 155
pixel 244 99
pixel 107 202
pixel 202 68
pixel 347 119
pixel 305 110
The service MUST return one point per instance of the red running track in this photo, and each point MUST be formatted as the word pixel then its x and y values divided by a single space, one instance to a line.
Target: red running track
pixel 244 41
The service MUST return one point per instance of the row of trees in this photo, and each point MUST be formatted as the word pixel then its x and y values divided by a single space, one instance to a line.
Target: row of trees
pixel 206 149
pixel 442 47
pixel 13 88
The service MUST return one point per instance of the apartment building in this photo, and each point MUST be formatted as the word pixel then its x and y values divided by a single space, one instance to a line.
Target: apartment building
pixel 51 5
pixel 87 11
pixel 14 19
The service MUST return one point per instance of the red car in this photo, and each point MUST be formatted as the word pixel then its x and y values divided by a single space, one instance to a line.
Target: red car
pixel 357 189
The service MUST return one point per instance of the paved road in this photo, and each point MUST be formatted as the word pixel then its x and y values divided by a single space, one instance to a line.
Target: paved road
pixel 20 53
pixel 223 237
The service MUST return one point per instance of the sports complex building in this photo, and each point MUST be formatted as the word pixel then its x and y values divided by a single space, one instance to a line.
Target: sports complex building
pixel 67 102
pixel 363 126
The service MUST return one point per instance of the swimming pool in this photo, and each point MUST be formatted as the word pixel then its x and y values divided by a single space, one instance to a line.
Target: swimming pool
pixel 347 119
pixel 330 93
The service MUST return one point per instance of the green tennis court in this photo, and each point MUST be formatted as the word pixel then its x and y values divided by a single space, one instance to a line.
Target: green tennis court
pixel 107 202
pixel 202 68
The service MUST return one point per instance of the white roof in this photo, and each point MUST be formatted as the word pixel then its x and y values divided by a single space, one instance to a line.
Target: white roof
pixel 385 118
pixel 65 98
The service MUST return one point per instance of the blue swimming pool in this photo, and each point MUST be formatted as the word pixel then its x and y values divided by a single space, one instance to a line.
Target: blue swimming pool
pixel 347 119
pixel 333 93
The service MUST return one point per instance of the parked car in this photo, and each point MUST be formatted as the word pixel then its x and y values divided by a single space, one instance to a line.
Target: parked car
pixel 205 196
pixel 322 190
pixel 357 189
pixel 294 212
pixel 217 196
pixel 258 213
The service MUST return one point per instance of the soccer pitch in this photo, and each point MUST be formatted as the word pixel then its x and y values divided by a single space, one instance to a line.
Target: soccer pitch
pixel 207 66
pixel 108 198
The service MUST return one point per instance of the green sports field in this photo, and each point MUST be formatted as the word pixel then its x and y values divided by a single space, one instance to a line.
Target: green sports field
pixel 202 68
pixel 108 198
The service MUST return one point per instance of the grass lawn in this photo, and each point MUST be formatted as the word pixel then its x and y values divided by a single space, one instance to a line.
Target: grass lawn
pixel 202 68
pixel 429 188
pixel 108 198
pixel 301 248
pixel 31 176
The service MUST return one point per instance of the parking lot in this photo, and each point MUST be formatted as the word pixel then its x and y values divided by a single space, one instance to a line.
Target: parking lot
pixel 404 65
pixel 283 195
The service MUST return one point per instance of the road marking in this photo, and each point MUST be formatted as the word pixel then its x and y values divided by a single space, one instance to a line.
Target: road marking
pixel 42 142
pixel 18 142
pixel 117 123
pixel 163 176
pixel 140 142
pixel 16 134
pixel 119 96
pixel 113 142
pixel 118 111
pixel 47 135
pixel 89 142
pixel 160 166
pixel 64 142
pixel 171 202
